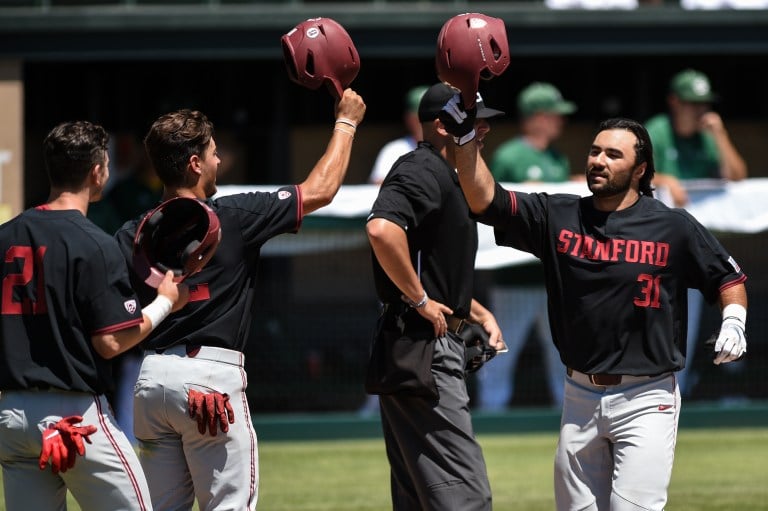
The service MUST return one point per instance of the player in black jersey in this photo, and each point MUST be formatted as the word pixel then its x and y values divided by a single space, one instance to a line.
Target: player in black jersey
pixel 618 265
pixel 195 361
pixel 67 307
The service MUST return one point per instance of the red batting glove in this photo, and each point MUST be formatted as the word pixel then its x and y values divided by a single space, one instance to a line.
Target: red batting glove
pixel 74 435
pixel 210 409
pixel 62 459
pixel 62 441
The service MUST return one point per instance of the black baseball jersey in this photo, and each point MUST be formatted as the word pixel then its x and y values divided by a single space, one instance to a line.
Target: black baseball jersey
pixel 422 195
pixel 616 281
pixel 64 280
pixel 219 312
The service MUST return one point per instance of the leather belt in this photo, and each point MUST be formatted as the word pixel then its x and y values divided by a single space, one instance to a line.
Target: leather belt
pixel 455 325
pixel 600 380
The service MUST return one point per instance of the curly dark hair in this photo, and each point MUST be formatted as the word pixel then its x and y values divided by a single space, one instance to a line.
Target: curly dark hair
pixel 173 139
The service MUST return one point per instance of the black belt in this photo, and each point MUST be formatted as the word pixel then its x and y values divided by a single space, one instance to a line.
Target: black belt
pixel 602 380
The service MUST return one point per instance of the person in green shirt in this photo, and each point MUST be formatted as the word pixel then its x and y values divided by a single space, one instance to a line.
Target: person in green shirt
pixel 531 156
pixel 690 141
pixel 517 294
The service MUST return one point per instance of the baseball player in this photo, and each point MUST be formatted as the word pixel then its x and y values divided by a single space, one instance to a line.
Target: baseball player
pixel 191 415
pixel 617 267
pixel 67 307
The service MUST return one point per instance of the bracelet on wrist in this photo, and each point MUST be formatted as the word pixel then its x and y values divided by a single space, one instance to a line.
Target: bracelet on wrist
pixel 417 305
pixel 347 121
pixel 348 132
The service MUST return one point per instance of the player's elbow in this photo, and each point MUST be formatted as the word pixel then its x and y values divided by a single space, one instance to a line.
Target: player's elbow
pixel 110 345
pixel 106 346
pixel 315 197
pixel 377 230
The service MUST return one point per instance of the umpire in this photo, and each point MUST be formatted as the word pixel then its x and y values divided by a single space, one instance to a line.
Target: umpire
pixel 424 246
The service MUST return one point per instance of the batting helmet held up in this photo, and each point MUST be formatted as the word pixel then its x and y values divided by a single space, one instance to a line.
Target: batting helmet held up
pixel 469 47
pixel 181 235
pixel 319 51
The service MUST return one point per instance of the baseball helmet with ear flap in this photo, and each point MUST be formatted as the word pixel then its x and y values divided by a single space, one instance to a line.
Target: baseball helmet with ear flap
pixel 470 47
pixel 318 52
pixel 181 235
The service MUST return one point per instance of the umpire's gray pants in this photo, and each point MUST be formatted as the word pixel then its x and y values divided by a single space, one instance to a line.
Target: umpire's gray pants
pixel 436 463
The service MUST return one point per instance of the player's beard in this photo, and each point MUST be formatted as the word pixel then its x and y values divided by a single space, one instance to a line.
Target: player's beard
pixel 614 184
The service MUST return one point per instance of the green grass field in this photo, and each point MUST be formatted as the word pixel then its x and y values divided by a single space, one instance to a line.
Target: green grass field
pixel 722 469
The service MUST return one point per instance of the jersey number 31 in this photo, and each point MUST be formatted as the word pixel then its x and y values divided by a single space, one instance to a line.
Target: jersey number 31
pixel 650 289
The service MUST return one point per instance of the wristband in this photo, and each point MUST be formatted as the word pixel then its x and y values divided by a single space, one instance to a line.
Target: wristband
pixel 348 122
pixel 416 305
pixel 735 311
pixel 157 311
pixel 465 138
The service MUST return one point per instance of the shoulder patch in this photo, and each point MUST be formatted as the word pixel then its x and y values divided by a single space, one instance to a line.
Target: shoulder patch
pixel 283 194
pixel 130 306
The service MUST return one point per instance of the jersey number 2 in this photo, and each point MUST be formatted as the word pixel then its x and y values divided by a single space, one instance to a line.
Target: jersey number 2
pixel 31 266
pixel 650 289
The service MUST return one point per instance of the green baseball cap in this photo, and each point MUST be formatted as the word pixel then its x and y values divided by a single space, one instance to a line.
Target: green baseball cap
pixel 692 86
pixel 413 97
pixel 543 97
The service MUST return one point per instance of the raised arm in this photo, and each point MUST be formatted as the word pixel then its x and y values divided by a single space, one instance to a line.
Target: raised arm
pixel 325 179
pixel 475 177
pixel 732 165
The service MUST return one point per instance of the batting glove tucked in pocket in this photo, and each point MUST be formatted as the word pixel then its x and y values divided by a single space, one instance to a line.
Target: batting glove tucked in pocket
pixel 62 441
pixel 210 409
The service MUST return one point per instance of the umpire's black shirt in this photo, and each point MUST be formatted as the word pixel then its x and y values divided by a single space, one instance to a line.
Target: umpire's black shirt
pixel 422 195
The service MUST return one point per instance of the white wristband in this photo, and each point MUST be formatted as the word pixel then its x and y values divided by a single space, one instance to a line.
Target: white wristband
pixel 157 311
pixel 735 311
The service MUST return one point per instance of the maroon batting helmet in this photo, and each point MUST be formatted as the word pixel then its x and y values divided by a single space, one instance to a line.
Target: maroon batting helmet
pixel 469 47
pixel 181 235
pixel 319 51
